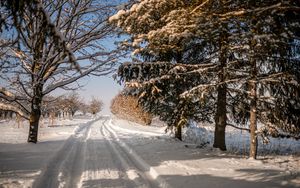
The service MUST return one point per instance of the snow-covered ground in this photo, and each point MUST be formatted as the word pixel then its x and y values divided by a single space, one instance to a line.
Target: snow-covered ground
pixel 238 141
pixel 109 152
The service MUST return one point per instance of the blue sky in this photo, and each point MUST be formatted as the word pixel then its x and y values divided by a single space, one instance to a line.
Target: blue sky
pixel 104 88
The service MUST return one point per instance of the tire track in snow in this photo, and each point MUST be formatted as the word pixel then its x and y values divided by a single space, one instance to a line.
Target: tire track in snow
pixel 64 169
pixel 102 167
pixel 126 165
pixel 143 169
pixel 79 162
pixel 139 132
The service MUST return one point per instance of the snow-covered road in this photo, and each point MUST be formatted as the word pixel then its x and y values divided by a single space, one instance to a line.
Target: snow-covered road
pixel 94 156
pixel 110 152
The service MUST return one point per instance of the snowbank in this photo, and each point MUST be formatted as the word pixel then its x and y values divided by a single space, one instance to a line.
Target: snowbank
pixel 238 141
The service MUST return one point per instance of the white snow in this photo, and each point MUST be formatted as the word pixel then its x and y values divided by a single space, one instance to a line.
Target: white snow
pixel 238 141
pixel 110 152
pixel 117 16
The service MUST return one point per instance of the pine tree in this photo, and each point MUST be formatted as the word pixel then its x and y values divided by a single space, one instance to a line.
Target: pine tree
pixel 159 86
pixel 163 45
pixel 249 52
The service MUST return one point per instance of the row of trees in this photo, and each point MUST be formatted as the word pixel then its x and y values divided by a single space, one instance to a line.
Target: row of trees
pixel 6 114
pixel 229 62
pixel 50 44
pixel 64 106
pixel 68 105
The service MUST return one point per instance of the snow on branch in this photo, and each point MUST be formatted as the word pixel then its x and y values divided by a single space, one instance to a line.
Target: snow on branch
pixel 6 93
pixel 200 7
pixel 146 71
pixel 240 128
pixel 12 98
pixel 271 130
pixel 57 36
pixel 257 11
pixel 22 58
pixel 205 87
pixel 11 107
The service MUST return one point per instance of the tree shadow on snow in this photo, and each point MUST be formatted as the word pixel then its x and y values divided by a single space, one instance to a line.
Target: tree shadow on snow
pixel 246 173
pixel 22 162
pixel 206 180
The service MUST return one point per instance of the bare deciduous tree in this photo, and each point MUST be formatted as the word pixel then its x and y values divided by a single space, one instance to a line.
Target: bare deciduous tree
pixel 95 106
pixel 37 64
pixel 73 102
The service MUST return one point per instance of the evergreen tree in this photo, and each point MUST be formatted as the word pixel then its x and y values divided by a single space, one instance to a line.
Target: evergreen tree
pixel 179 44
pixel 249 56
pixel 159 86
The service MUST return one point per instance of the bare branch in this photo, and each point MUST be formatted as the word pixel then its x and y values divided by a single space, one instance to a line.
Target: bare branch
pixel 73 78
pixel 10 107
pixel 236 127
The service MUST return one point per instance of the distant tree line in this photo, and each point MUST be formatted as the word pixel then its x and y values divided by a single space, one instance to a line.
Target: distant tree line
pixel 64 106
pixel 67 105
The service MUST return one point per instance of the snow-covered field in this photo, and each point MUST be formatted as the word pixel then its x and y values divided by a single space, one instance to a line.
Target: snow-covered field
pixel 109 152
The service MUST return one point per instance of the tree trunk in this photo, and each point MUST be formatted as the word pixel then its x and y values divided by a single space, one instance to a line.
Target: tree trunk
pixel 35 114
pixel 10 114
pixel 253 101
pixel 253 121
pixel 178 133
pixel 34 125
pixel 220 119
pixel 253 111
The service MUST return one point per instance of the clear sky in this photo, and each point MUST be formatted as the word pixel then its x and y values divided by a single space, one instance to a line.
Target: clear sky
pixel 104 88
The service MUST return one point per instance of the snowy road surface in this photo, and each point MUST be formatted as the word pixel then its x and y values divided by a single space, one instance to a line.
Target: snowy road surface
pixel 115 153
